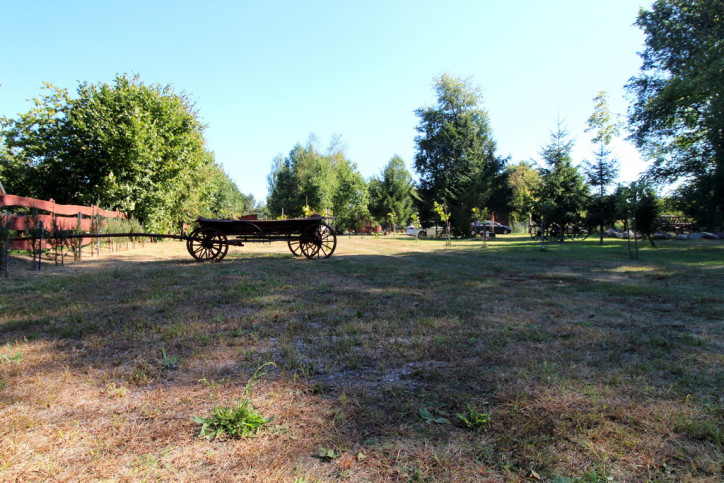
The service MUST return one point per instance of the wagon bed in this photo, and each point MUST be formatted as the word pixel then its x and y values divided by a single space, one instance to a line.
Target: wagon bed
pixel 311 236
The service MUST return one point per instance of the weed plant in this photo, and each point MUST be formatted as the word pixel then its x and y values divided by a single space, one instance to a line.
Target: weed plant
pixel 239 420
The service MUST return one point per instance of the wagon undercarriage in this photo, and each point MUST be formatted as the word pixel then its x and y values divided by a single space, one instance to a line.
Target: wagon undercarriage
pixel 310 237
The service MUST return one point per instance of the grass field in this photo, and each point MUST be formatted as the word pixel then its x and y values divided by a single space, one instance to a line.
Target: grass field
pixel 576 363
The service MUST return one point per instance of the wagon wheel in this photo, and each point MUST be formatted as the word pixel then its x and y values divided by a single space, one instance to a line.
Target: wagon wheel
pixel 207 244
pixel 318 241
pixel 295 246
pixel 535 232
pixel 190 239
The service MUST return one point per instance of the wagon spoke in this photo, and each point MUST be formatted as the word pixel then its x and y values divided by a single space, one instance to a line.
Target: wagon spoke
pixel 295 246
pixel 328 241
pixel 318 241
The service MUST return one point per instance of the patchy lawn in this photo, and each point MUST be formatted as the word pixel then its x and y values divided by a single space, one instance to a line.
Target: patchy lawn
pixel 577 362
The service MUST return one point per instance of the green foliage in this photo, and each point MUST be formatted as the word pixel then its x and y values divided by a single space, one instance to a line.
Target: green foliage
pixel 679 100
pixel 166 361
pixel 237 421
pixel 604 170
pixel 523 181
pixel 240 419
pixel 473 419
pixel 562 193
pixel 640 203
pixel 351 199
pixel 129 146
pixel 444 215
pixel 327 183
pixel 222 198
pixel 12 359
pixel 393 192
pixel 601 212
pixel 455 156
pixel 327 453
pixel 433 415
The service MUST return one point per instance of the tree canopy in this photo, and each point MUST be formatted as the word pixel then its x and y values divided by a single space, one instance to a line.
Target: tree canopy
pixel 393 192
pixel 562 192
pixel 678 113
pixel 455 157
pixel 328 184
pixel 524 181
pixel 603 170
pixel 129 146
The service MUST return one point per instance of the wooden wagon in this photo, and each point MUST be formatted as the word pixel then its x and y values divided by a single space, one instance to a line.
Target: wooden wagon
pixel 311 236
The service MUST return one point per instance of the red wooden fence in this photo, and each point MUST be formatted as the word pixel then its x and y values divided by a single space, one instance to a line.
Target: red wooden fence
pixel 67 217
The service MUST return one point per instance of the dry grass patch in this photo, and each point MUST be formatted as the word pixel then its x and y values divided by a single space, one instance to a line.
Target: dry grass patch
pixel 586 364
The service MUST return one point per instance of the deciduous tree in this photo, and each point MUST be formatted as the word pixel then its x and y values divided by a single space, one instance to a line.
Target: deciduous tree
pixel 329 184
pixel 129 146
pixel 678 114
pixel 524 181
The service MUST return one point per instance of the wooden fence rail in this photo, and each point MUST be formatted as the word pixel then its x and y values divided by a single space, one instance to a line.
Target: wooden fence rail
pixel 65 217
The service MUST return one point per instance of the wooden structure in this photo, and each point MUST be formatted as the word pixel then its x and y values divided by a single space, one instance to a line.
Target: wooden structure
pixel 311 236
pixel 62 217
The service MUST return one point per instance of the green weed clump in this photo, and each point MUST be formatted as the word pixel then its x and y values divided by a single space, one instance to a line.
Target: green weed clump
pixel 238 421
pixel 473 419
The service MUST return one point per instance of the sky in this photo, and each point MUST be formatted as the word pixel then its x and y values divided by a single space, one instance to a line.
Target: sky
pixel 266 75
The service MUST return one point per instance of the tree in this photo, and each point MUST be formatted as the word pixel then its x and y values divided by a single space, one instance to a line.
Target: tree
pixel 351 200
pixel 639 203
pixel 648 212
pixel 305 177
pixel 678 113
pixel 392 192
pixel 455 156
pixel 326 183
pixel 523 181
pixel 129 146
pixel 223 198
pixel 604 170
pixel 562 193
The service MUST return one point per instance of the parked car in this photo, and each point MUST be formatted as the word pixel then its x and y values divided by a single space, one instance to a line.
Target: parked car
pixel 434 231
pixel 491 227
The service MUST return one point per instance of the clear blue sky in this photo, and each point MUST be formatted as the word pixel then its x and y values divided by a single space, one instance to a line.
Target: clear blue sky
pixel 266 74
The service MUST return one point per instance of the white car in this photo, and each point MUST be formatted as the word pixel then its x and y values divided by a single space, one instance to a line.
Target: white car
pixel 434 230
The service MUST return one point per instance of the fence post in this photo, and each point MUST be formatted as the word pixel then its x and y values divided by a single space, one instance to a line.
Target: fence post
pixel 80 232
pixel 96 217
pixel 7 243
pixel 40 246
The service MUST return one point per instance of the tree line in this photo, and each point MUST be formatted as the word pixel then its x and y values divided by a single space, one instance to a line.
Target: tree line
pixel 676 120
pixel 140 149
